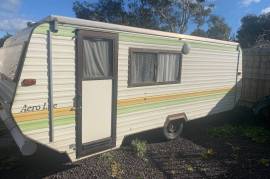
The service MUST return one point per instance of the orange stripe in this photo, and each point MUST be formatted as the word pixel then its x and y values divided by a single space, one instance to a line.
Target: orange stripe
pixel 148 99
pixel 42 114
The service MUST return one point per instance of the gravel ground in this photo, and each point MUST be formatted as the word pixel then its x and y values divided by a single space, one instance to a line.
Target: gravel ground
pixel 196 154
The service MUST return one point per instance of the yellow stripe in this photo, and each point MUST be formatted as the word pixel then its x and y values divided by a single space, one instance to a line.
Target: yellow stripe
pixel 149 99
pixel 19 117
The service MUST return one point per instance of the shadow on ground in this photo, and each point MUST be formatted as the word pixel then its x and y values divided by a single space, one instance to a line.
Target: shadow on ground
pixel 44 162
pixel 197 154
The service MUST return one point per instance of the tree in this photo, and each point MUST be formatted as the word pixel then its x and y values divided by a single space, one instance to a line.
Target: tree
pixel 105 10
pixel 4 38
pixel 168 15
pixel 199 32
pixel 253 27
pixel 217 29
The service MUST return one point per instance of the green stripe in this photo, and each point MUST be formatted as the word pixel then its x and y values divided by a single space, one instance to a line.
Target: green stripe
pixel 65 31
pixel 141 107
pixel 64 120
pixel 44 123
pixel 62 31
pixel 211 46
pixel 41 29
pixel 148 39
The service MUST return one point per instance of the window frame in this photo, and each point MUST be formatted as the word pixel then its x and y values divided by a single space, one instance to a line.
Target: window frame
pixel 155 51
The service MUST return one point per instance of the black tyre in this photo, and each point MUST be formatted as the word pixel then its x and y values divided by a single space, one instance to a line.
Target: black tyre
pixel 173 128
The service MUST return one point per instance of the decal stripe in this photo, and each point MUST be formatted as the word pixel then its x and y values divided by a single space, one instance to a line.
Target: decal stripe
pixel 151 99
pixel 39 119
pixel 28 116
pixel 125 110
pixel 68 31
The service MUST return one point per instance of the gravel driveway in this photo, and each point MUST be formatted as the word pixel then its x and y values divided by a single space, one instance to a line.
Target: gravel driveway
pixel 197 154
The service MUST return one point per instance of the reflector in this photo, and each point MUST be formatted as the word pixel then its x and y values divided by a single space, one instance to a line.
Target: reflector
pixel 28 82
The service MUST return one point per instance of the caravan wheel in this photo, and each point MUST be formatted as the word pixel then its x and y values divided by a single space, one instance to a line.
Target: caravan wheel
pixel 173 128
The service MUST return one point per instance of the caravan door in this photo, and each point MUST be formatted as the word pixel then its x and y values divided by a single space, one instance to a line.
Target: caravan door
pixel 96 87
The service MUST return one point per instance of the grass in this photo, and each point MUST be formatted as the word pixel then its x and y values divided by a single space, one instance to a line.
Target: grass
pixel 257 134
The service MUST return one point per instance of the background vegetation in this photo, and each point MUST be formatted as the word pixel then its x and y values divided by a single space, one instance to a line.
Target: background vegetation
pixel 177 16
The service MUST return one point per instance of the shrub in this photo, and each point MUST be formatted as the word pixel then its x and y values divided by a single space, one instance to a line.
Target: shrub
pixel 139 147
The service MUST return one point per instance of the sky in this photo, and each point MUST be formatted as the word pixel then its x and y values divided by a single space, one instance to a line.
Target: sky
pixel 14 14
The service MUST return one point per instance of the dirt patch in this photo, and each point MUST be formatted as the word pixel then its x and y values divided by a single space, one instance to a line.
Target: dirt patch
pixel 197 154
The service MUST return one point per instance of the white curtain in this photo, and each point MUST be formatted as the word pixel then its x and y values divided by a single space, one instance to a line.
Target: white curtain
pixel 143 67
pixel 168 67
pixel 97 58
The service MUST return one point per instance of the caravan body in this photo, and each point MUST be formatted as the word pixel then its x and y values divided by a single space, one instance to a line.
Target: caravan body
pixel 80 86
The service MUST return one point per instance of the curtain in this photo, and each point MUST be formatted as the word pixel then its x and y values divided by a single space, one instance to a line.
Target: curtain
pixel 168 67
pixel 143 67
pixel 97 58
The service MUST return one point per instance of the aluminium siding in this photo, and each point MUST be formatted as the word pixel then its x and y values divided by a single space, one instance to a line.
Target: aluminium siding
pixel 207 86
pixel 209 70
pixel 34 124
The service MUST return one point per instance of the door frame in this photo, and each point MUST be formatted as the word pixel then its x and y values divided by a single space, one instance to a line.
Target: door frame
pixel 102 144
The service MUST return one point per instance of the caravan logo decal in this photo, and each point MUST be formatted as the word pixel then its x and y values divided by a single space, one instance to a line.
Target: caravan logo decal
pixel 33 108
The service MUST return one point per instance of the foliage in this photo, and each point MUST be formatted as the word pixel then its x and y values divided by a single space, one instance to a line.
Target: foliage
pixel 190 168
pixel 116 170
pixel 208 153
pixel 139 147
pixel 4 38
pixel 199 32
pixel 168 15
pixel 255 133
pixel 105 10
pixel 252 28
pixel 217 29
pixel 108 157
pixel 264 162
pixel 115 167
pixel 224 131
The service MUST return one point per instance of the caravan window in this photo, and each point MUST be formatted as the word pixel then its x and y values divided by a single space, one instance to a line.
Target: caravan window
pixel 143 67
pixel 150 67
pixel 168 67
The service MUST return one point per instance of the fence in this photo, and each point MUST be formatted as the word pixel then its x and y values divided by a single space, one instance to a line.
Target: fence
pixel 256 75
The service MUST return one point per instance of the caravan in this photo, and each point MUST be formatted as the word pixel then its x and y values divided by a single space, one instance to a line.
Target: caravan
pixel 80 86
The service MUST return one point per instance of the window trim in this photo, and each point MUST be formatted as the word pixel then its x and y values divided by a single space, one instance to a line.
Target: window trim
pixel 156 51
